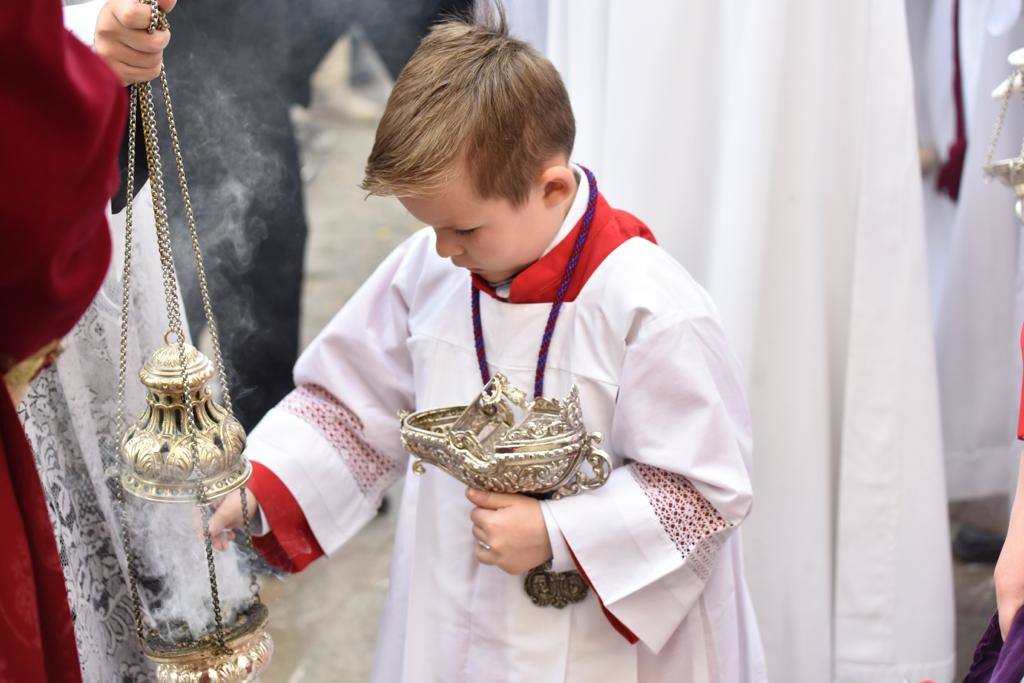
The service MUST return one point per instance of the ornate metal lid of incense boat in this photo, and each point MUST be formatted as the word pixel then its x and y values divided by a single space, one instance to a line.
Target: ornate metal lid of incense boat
pixel 544 451
pixel 157 460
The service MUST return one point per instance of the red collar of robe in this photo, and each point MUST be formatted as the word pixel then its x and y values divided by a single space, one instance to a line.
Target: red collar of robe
pixel 539 282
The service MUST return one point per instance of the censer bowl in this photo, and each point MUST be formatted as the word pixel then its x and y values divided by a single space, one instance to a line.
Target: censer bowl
pixel 158 462
pixel 201 661
pixel 484 446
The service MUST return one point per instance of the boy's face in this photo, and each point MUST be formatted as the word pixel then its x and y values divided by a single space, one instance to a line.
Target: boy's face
pixel 491 237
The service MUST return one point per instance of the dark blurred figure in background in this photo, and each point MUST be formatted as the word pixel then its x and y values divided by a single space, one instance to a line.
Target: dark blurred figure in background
pixel 228 69
pixel 235 70
pixel 393 27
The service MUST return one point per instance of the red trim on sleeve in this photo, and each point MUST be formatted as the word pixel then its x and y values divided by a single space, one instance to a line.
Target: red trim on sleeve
pixel 290 546
pixel 612 619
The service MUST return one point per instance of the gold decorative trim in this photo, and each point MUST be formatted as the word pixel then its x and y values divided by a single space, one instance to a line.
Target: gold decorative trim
pixel 200 661
pixel 157 458
pixel 19 374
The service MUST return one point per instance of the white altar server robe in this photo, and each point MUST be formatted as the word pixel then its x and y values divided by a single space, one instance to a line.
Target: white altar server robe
pixel 658 541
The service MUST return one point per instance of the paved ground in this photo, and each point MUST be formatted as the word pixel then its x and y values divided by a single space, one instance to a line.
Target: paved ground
pixel 325 620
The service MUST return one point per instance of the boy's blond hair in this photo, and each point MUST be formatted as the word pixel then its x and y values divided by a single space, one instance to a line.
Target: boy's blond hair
pixel 471 91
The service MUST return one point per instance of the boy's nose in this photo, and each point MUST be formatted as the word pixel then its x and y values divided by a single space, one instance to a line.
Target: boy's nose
pixel 448 245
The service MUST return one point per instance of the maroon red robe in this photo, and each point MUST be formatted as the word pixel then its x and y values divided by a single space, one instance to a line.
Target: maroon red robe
pixel 62 113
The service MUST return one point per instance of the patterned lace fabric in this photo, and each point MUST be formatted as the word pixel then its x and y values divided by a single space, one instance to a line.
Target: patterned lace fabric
pixel 69 419
pixel 693 524
pixel 372 471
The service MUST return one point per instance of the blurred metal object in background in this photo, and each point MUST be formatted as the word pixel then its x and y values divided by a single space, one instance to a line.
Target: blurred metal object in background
pixel 1009 171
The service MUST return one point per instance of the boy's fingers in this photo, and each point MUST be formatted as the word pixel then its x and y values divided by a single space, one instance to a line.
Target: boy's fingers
pixel 491 500
pixel 216 527
pixel 481 517
pixel 222 540
pixel 504 500
pixel 166 5
pixel 485 556
pixel 222 519
pixel 479 534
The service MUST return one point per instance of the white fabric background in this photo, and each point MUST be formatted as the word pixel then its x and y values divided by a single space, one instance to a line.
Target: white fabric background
pixel 973 244
pixel 782 135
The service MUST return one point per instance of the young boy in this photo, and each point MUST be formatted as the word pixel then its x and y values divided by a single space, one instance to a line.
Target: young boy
pixel 475 141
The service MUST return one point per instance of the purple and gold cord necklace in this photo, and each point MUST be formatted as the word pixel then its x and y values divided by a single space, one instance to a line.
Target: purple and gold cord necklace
pixel 556 307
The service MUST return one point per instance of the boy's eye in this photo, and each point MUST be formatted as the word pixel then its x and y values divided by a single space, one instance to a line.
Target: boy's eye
pixel 465 233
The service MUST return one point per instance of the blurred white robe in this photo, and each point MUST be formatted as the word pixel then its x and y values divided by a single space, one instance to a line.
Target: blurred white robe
pixel 783 134
pixel 973 243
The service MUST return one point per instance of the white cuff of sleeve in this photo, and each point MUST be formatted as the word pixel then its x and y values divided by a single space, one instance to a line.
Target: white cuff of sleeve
pixel 561 560
pixel 259 525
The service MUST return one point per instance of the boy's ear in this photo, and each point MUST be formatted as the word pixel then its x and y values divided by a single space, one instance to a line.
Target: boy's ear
pixel 558 183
